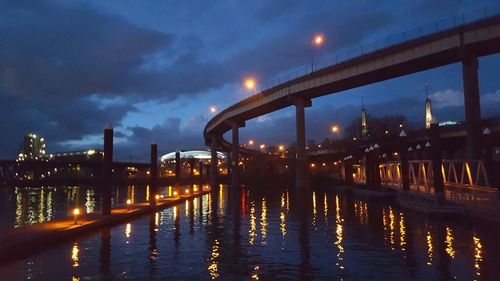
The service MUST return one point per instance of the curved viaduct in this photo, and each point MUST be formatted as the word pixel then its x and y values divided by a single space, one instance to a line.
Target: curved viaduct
pixel 462 43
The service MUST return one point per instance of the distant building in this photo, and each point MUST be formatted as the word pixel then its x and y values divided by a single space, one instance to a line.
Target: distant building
pixel 428 109
pixel 77 156
pixel 32 148
pixel 364 126
pixel 203 155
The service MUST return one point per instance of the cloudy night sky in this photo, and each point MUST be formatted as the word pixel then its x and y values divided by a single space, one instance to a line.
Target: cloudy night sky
pixel 154 68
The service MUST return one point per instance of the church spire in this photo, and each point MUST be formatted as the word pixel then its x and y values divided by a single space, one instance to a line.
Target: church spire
pixel 364 127
pixel 428 108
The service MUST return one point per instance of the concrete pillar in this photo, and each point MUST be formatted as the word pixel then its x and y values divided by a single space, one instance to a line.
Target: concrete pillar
pixel 200 168
pixel 301 179
pixel 348 170
pixel 213 162
pixel 191 167
pixel 368 167
pixel 153 175
pixel 235 170
pixel 403 154
pixel 178 171
pixel 472 106
pixel 436 158
pixel 107 170
pixel 377 183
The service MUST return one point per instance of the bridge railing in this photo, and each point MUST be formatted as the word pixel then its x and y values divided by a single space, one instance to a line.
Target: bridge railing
pixel 470 174
pixel 402 37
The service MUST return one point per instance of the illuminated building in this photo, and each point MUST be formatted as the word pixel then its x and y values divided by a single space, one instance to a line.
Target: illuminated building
pixel 428 109
pixel 364 126
pixel 32 148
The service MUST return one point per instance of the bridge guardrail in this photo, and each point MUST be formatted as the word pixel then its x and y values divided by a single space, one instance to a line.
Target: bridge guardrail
pixel 402 37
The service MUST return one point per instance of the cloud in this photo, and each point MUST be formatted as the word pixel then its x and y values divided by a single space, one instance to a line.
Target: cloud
pixel 169 136
pixel 447 98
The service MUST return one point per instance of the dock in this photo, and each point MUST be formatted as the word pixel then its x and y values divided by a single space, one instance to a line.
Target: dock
pixel 22 242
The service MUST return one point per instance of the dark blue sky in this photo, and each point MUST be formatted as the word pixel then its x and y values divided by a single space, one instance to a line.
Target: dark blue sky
pixel 153 68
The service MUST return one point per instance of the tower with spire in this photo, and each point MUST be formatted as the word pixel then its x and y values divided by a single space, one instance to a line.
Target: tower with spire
pixel 364 127
pixel 428 108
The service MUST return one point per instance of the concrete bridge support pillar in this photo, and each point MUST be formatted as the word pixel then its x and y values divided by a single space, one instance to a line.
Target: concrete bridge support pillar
pixel 436 158
pixel 153 175
pixel 107 170
pixel 403 154
pixel 213 162
pixel 201 166
pixel 178 172
pixel 348 170
pixel 235 170
pixel 377 183
pixel 301 178
pixel 472 106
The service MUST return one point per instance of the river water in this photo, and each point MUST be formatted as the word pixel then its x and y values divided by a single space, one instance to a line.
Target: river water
pixel 264 234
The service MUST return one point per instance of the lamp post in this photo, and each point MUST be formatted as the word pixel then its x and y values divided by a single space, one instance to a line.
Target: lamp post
pixel 317 41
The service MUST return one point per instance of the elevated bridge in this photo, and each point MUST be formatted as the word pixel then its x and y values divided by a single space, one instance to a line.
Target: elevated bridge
pixel 461 41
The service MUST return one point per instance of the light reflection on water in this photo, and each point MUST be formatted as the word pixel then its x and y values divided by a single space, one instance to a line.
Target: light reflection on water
pixel 27 206
pixel 264 235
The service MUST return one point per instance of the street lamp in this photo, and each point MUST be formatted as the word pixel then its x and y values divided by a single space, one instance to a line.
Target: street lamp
pixel 250 142
pixel 76 212
pixel 213 109
pixel 251 85
pixel 336 130
pixel 317 41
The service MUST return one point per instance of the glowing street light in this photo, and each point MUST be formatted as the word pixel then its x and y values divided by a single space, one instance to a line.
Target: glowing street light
pixel 186 191
pixel 213 109
pixel 317 41
pixel 281 147
pixel 250 142
pixel 336 130
pixel 251 85
pixel 128 204
pixel 262 146
pixel 76 212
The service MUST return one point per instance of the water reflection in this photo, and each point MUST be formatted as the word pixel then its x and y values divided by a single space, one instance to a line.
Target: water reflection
pixel 206 238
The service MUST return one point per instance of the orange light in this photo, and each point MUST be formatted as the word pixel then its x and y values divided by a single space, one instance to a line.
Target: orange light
pixel 195 189
pixel 157 196
pixel 335 128
pixel 76 212
pixel 250 142
pixel 313 165
pixel 213 109
pixel 262 146
pixel 186 191
pixel 318 40
pixel 250 84
pixel 281 147
pixel 129 201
